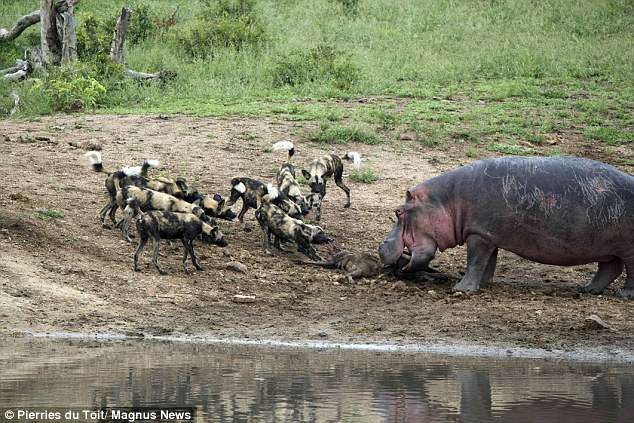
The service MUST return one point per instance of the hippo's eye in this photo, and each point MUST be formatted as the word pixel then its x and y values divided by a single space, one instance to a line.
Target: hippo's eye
pixel 398 212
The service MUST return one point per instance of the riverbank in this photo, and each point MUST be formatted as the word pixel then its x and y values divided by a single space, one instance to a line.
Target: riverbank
pixel 62 272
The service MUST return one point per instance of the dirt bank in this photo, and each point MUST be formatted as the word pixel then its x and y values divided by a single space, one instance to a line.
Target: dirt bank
pixel 68 274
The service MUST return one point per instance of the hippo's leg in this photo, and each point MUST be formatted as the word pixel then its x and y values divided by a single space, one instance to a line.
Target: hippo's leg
pixel 607 273
pixel 628 289
pixel 479 255
pixel 490 270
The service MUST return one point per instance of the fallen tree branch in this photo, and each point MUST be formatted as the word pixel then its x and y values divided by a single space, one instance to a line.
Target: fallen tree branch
pixel 19 64
pixel 163 75
pixel 23 23
pixel 21 72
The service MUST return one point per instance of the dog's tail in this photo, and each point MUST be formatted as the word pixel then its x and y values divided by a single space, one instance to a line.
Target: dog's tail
pixel 140 170
pixel 147 165
pixel 95 161
pixel 285 146
pixel 272 191
pixel 354 157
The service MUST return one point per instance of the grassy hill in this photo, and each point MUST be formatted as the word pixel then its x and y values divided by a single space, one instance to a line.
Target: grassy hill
pixel 477 71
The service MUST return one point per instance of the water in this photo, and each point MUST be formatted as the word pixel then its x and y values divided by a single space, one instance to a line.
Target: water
pixel 250 383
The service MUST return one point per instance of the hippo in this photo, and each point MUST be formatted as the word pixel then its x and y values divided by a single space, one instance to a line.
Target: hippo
pixel 564 211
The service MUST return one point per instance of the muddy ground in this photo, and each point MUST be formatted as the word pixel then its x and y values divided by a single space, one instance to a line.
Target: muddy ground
pixel 69 274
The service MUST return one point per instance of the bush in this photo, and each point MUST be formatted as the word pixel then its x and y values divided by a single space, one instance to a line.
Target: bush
pixel 142 24
pixel 222 24
pixel 94 36
pixel 71 88
pixel 322 63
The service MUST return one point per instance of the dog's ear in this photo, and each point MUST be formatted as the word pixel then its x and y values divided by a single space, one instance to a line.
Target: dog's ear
pixel 306 174
pixel 182 184
pixel 197 202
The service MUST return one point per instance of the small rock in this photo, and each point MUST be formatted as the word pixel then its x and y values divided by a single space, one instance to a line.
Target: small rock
pixel 399 286
pixel 595 322
pixel 236 266
pixel 457 294
pixel 243 299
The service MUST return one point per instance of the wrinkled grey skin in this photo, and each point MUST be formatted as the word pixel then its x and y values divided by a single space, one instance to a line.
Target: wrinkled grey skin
pixel 563 211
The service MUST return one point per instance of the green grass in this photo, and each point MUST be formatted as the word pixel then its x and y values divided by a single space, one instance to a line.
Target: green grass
pixel 327 134
pixel 365 176
pixel 514 150
pixel 474 75
pixel 48 214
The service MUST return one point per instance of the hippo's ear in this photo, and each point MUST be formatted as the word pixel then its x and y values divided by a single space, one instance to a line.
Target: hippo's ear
pixel 409 196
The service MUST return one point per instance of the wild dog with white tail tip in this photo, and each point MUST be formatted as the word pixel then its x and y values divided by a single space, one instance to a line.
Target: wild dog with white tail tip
pixel 157 225
pixel 251 192
pixel 286 179
pixel 322 169
pixel 273 221
pixel 135 175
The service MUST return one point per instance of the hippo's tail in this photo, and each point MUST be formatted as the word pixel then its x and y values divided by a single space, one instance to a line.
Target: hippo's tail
pixel 354 158
pixel 285 146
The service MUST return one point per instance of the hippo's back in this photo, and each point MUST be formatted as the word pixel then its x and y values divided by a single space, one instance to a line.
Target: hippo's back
pixel 559 210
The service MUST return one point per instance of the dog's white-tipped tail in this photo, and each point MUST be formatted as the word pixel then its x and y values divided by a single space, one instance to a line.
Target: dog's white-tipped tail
pixel 153 163
pixel 240 188
pixel 132 171
pixel 285 146
pixel 355 158
pixel 94 160
pixel 93 157
pixel 272 191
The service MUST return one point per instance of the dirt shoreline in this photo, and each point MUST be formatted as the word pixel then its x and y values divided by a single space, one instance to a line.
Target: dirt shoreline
pixel 456 349
pixel 67 274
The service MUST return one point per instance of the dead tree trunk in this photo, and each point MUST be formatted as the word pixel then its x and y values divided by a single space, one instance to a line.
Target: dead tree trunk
pixel 51 45
pixel 117 52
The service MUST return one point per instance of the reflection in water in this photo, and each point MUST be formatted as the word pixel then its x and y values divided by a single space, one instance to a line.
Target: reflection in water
pixel 238 383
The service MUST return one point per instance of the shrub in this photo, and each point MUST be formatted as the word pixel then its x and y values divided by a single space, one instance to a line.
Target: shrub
pixel 327 134
pixel 223 24
pixel 322 63
pixel 94 36
pixel 71 88
pixel 142 24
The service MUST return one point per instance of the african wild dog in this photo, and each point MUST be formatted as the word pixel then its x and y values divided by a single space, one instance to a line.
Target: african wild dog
pixel 356 265
pixel 274 221
pixel 286 179
pixel 318 173
pixel 136 175
pixel 157 225
pixel 153 200
pixel 251 192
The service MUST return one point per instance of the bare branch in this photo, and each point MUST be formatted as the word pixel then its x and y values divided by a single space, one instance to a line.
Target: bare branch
pixel 23 23
pixel 16 103
pixel 118 38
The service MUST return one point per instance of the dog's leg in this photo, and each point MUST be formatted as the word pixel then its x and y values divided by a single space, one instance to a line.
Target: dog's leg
pixel 185 254
pixel 157 243
pixel 138 251
pixel 104 211
pixel 192 253
pixel 339 181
